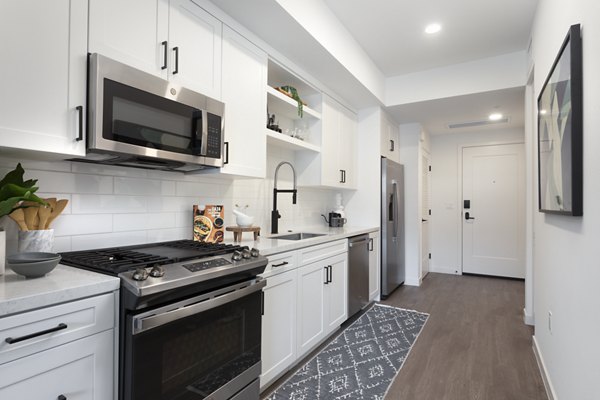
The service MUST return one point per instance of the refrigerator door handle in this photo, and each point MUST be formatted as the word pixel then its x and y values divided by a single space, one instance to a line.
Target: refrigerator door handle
pixel 395 209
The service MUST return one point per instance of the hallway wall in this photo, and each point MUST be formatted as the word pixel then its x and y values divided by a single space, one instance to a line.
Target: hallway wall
pixel 566 252
pixel 446 193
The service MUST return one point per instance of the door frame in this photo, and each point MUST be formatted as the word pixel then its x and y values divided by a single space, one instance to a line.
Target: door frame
pixel 459 192
pixel 424 153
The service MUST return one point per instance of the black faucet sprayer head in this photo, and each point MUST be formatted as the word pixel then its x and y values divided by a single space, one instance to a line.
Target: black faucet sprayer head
pixel 294 197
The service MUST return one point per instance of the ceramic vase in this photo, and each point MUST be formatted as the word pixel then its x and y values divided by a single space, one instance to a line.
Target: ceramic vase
pixel 36 241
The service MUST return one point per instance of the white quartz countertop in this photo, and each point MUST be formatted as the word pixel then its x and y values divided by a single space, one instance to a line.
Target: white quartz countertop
pixel 268 245
pixel 63 284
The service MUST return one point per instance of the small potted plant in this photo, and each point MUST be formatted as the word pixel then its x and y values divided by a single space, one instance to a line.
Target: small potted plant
pixel 13 191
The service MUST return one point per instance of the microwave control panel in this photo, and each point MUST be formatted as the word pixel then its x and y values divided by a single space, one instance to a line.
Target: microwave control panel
pixel 214 138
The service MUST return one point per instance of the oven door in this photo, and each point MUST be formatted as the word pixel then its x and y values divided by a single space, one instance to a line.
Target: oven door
pixel 204 347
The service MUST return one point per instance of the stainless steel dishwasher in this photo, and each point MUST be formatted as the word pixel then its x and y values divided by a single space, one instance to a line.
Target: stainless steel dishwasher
pixel 358 273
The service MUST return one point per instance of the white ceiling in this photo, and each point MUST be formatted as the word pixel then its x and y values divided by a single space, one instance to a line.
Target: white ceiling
pixel 392 31
pixel 436 115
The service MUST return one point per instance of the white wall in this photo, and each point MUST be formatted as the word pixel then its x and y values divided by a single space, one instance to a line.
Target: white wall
pixel 117 206
pixel 446 218
pixel 409 157
pixel 566 250
pixel 501 72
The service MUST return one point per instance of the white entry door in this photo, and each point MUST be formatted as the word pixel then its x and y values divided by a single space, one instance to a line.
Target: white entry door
pixel 493 217
pixel 425 190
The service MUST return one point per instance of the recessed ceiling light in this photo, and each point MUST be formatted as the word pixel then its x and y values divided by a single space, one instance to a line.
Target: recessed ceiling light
pixel 433 28
pixel 543 112
pixel 495 116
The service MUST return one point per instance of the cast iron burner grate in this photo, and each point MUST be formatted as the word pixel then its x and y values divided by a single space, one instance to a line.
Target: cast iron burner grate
pixel 120 259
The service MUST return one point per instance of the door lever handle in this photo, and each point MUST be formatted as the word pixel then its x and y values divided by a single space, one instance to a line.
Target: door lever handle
pixel 467 216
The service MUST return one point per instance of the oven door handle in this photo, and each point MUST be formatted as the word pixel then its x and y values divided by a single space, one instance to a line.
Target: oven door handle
pixel 145 322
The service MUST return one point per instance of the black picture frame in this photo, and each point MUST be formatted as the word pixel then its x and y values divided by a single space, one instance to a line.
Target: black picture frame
pixel 560 131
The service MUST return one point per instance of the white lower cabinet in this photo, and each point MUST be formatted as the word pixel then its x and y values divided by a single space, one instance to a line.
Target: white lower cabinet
pixel 311 313
pixel 305 300
pixel 336 293
pixel 79 370
pixel 65 351
pixel 278 326
pixel 374 269
pixel 322 300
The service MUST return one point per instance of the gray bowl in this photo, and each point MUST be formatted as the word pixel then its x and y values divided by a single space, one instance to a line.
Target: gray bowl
pixel 33 269
pixel 29 257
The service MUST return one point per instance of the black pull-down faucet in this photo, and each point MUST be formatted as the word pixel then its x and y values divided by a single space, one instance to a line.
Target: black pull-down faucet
pixel 275 213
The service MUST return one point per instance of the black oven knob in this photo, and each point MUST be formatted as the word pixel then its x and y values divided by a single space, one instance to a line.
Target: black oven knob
pixel 246 253
pixel 157 271
pixel 254 252
pixel 236 256
pixel 140 274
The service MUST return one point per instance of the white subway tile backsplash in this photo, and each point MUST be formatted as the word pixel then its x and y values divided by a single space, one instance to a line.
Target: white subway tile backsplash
pixel 160 235
pixel 113 239
pixel 111 170
pixel 107 204
pixel 198 189
pixel 82 224
pixel 63 182
pixel 136 222
pixel 144 187
pixel 118 206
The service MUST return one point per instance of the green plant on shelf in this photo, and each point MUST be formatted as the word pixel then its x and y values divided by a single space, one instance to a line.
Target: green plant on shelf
pixel 294 95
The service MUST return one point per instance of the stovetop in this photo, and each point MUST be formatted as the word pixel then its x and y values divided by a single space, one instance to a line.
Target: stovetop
pixel 157 267
pixel 115 260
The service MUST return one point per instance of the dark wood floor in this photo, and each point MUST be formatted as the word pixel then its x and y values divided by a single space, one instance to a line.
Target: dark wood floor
pixel 474 345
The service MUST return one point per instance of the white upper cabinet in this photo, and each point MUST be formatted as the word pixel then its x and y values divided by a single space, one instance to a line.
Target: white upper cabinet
pixel 389 138
pixel 336 165
pixel 195 48
pixel 176 40
pixel 131 32
pixel 244 82
pixel 43 75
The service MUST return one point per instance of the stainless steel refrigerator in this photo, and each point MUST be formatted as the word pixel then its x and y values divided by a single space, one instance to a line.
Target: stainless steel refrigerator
pixel 392 226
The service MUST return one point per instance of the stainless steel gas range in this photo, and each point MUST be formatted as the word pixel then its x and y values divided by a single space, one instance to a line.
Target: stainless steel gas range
pixel 190 318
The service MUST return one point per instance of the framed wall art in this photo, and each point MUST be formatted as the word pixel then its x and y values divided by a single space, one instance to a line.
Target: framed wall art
pixel 560 132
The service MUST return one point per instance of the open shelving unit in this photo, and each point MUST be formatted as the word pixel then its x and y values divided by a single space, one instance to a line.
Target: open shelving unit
pixel 282 105
pixel 290 143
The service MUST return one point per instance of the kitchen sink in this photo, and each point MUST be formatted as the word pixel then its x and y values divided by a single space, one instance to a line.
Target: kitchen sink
pixel 298 236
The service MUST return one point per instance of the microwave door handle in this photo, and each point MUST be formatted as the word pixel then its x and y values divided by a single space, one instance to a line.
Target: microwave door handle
pixel 204 134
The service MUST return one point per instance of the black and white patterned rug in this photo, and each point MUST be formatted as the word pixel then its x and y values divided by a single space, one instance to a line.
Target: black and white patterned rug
pixel 361 362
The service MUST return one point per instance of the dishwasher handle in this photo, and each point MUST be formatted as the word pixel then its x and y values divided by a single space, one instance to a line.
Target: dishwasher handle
pixel 358 243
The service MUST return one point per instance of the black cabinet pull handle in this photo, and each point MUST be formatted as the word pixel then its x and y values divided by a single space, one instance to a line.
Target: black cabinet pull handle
pixel 280 264
pixel 341 176
pixel 166 47
pixel 326 274
pixel 61 397
pixel 226 145
pixel 370 244
pixel 80 132
pixel 391 145
pixel 262 303
pixel 60 327
pixel 344 175
pixel 176 70
pixel 330 269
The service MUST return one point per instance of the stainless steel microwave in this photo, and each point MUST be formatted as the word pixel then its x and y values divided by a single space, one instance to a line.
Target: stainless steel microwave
pixel 139 120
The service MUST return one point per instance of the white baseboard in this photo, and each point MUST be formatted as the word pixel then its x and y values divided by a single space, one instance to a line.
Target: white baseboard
pixel 445 270
pixel 412 281
pixel 542 366
pixel 528 319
